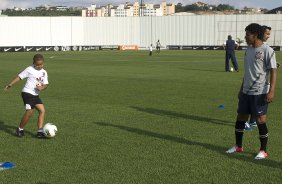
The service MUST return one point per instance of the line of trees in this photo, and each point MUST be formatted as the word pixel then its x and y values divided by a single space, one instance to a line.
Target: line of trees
pixel 33 12
pixel 221 7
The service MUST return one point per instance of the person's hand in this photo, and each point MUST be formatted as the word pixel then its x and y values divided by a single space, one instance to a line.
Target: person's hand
pixel 39 88
pixel 269 97
pixel 7 87
pixel 278 65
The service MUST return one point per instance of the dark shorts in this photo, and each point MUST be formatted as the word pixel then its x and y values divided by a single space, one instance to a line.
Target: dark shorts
pixel 252 104
pixel 30 100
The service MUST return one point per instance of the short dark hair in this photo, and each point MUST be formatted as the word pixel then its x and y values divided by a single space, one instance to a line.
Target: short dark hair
pixel 37 57
pixel 255 28
pixel 264 28
pixel 229 37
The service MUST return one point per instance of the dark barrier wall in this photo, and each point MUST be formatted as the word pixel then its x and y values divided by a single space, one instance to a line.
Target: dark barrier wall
pixel 215 47
pixel 113 47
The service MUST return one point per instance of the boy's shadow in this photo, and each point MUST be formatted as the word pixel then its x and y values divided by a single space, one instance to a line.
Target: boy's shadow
pixel 12 129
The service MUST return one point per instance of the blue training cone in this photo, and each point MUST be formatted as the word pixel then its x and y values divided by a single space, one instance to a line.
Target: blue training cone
pixel 7 165
pixel 221 107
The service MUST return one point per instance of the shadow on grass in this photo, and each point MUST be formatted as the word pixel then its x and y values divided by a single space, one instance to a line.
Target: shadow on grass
pixel 184 116
pixel 12 129
pixel 202 70
pixel 218 149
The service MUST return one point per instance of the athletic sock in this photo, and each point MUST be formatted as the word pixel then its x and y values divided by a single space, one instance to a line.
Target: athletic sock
pixel 21 129
pixel 263 136
pixel 40 130
pixel 239 132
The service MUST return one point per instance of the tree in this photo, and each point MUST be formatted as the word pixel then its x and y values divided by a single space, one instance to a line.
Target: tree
pixel 223 7
pixel 179 8
pixel 239 41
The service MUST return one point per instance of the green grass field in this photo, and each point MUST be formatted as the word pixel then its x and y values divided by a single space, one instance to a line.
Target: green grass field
pixel 125 117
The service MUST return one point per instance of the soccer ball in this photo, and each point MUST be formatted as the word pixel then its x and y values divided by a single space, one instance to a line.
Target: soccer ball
pixel 50 130
pixel 231 69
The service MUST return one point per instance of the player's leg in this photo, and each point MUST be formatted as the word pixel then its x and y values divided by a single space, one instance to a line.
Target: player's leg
pixel 261 111
pixel 243 115
pixel 40 122
pixel 29 106
pixel 227 58
pixel 234 61
pixel 27 115
pixel 41 115
pixel 252 121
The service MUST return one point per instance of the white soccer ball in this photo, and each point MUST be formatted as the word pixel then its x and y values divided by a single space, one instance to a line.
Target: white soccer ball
pixel 232 69
pixel 50 130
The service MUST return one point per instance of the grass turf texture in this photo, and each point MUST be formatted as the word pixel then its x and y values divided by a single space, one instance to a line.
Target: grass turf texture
pixel 125 117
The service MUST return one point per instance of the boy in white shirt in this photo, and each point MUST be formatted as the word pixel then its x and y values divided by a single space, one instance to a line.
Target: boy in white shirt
pixel 37 81
pixel 151 50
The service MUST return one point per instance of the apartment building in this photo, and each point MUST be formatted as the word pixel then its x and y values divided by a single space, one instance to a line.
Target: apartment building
pixel 129 10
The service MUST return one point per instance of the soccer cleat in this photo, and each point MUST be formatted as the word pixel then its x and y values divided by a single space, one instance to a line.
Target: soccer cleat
pixel 247 126
pixel 261 155
pixel 19 133
pixel 40 135
pixel 235 149
pixel 253 123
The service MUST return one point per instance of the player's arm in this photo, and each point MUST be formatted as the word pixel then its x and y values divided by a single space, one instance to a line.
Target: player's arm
pixel 241 89
pixel 273 76
pixel 41 88
pixel 224 45
pixel 17 79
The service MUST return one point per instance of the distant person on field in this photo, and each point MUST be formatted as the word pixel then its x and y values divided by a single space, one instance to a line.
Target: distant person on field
pixel 257 89
pixel 37 81
pixel 266 36
pixel 158 46
pixel 151 50
pixel 230 46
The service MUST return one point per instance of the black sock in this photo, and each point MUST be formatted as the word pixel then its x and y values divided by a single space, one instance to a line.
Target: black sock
pixel 263 136
pixel 239 132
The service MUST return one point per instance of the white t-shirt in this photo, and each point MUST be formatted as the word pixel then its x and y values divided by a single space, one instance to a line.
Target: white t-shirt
pixel 34 78
pixel 151 48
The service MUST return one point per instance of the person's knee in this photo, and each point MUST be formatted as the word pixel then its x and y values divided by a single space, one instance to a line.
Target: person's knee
pixel 261 119
pixel 29 113
pixel 41 110
pixel 242 117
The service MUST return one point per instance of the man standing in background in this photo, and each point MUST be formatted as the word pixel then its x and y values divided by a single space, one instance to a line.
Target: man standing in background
pixel 229 47
pixel 151 50
pixel 158 46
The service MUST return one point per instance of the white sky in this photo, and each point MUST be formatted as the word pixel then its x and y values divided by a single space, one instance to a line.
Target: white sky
pixel 269 4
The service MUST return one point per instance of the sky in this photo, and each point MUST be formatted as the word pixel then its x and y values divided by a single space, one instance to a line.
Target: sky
pixel 268 4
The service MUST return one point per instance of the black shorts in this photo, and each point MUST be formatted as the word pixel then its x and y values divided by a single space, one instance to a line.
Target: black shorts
pixel 30 100
pixel 252 104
